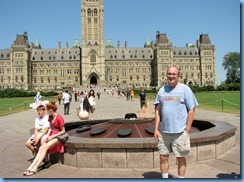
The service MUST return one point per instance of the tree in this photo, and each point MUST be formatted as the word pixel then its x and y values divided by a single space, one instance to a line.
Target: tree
pixel 231 63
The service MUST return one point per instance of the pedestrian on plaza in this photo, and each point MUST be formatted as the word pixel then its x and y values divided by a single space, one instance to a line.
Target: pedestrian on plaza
pixel 132 95
pixel 92 101
pixel 142 99
pixel 82 96
pixel 174 115
pixel 51 144
pixel 38 99
pixel 59 97
pixel 128 94
pixel 66 101
pixel 76 96
pixel 98 95
pixel 40 132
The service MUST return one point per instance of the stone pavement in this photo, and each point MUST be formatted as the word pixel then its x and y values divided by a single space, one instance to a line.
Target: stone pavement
pixel 15 130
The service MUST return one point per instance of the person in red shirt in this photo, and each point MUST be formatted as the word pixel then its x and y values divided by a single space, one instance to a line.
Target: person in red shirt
pixel 51 144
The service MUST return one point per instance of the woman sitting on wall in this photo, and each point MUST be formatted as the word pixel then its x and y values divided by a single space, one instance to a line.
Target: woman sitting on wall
pixel 51 144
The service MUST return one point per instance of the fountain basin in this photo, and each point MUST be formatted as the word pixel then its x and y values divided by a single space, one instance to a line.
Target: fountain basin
pixel 213 138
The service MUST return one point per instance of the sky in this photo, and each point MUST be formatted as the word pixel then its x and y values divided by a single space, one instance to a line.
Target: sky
pixel 51 21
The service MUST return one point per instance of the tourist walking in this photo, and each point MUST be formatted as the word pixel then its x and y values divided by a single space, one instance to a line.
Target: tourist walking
pixel 59 97
pixel 38 99
pixel 66 101
pixel 98 95
pixel 82 96
pixel 173 119
pixel 76 96
pixel 142 99
pixel 132 95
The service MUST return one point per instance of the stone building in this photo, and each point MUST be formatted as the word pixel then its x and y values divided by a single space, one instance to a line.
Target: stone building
pixel 27 65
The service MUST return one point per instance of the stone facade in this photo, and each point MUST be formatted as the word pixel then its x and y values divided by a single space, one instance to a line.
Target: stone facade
pixel 28 66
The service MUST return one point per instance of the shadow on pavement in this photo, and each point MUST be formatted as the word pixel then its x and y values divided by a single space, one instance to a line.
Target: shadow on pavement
pixel 155 175
pixel 225 175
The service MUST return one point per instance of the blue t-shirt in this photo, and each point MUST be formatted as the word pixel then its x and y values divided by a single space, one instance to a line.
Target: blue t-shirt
pixel 175 104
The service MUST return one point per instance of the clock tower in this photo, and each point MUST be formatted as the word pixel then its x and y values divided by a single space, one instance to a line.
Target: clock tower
pixel 92 38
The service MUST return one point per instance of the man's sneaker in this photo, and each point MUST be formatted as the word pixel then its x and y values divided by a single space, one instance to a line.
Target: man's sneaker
pixel 46 165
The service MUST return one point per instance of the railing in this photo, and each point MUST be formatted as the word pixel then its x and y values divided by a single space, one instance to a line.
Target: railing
pixel 13 109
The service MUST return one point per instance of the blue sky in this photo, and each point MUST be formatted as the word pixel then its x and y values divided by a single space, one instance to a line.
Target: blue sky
pixel 134 21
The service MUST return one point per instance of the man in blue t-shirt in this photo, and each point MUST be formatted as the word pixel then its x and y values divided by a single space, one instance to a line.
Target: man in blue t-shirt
pixel 175 108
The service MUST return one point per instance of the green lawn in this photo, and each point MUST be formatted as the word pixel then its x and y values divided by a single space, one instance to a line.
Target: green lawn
pixel 219 101
pixel 13 105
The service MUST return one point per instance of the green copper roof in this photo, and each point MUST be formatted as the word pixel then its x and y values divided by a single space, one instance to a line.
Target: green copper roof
pixel 109 43
pixel 147 41
pixel 76 43
pixel 37 43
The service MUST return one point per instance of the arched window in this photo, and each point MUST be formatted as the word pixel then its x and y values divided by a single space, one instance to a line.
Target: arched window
pixel 89 12
pixel 95 12
pixel 93 57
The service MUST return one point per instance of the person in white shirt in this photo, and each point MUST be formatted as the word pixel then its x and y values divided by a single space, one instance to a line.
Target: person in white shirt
pixel 38 98
pixel 66 101
pixel 40 132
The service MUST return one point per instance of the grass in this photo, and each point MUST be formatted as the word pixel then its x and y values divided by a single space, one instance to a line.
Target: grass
pixel 13 105
pixel 216 101
pixel 219 101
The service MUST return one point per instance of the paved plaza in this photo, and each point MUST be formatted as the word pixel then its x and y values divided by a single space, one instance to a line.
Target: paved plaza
pixel 15 130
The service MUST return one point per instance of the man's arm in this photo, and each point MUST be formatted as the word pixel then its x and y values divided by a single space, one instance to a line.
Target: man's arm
pixel 157 121
pixel 190 119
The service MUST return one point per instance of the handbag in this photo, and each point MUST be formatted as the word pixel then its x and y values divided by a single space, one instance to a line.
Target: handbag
pixel 83 114
pixel 63 138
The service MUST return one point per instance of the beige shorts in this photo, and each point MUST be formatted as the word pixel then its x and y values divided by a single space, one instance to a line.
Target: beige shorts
pixel 31 139
pixel 178 143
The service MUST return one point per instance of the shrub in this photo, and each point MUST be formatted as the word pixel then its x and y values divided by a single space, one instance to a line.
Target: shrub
pixel 12 92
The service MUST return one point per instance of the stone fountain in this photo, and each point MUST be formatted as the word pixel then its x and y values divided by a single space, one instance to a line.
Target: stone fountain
pixel 129 143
